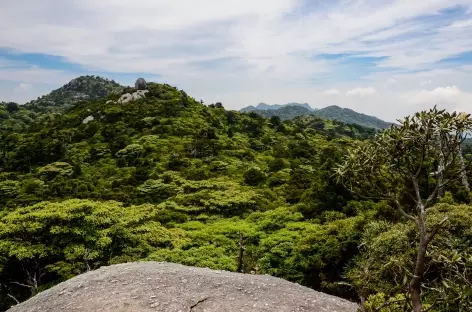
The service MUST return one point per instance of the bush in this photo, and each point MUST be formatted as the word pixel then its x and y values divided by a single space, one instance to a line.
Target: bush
pixel 254 176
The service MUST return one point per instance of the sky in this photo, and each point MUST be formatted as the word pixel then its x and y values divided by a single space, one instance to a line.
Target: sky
pixel 387 58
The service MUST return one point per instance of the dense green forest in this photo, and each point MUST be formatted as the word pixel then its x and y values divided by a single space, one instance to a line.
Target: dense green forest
pixel 167 178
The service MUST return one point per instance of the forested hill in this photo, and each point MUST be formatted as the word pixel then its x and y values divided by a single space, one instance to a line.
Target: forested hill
pixel 104 150
pixel 78 89
pixel 292 110
pixel 349 116
pixel 165 178
pixel 192 177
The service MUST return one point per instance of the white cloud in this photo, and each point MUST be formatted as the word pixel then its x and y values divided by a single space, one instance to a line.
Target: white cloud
pixel 36 74
pixel 332 92
pixel 158 36
pixel 449 97
pixel 361 91
pixel 23 87
pixel 243 51
pixel 445 92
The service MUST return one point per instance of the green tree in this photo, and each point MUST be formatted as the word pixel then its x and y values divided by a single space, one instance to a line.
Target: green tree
pixel 396 166
pixel 12 107
pixel 254 176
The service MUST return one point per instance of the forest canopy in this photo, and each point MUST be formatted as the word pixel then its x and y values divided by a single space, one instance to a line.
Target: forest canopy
pixel 167 178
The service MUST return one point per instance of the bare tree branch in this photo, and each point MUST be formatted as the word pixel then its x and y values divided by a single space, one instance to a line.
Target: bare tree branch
pixel 400 209
pixel 13 297
pixel 23 285
pixel 419 200
pixel 435 230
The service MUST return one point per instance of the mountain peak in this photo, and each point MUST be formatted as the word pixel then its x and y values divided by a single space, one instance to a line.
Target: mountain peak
pixel 76 90
pixel 264 106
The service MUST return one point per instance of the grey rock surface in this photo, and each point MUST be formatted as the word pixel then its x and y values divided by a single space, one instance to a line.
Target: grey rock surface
pixel 125 98
pixel 129 97
pixel 156 286
pixel 140 84
pixel 139 94
pixel 88 119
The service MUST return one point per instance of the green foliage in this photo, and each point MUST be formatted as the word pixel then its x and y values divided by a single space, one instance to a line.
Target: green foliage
pixel 167 178
pixel 411 166
pixel 344 115
pixel 12 107
pixel 254 176
pixel 351 117
pixel 83 88
pixel 56 169
pixel 381 271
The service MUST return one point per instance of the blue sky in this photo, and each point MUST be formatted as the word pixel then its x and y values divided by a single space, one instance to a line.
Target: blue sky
pixel 388 58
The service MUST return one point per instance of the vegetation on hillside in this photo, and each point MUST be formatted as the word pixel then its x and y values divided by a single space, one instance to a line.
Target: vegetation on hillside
pixel 78 89
pixel 397 167
pixel 264 107
pixel 284 113
pixel 166 178
pixel 14 117
pixel 349 116
pixel 346 115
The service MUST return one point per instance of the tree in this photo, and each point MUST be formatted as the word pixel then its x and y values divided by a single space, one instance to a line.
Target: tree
pixel 275 122
pixel 396 166
pixel 12 107
pixel 254 176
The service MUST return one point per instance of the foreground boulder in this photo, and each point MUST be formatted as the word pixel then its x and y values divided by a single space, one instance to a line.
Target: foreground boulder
pixel 155 286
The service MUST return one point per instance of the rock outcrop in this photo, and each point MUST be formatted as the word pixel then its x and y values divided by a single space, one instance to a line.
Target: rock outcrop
pixel 88 119
pixel 129 97
pixel 140 84
pixel 125 98
pixel 153 286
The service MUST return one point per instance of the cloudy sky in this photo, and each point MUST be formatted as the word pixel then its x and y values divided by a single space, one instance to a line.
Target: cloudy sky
pixel 388 58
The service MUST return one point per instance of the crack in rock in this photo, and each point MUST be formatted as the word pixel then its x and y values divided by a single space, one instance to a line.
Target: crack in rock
pixel 198 302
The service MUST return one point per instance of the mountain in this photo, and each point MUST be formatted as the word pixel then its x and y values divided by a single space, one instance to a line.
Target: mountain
pixel 83 88
pixel 166 178
pixel 284 112
pixel 263 106
pixel 248 109
pixel 290 111
pixel 349 116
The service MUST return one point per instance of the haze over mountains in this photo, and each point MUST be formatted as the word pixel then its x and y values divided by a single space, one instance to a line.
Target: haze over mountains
pixel 291 110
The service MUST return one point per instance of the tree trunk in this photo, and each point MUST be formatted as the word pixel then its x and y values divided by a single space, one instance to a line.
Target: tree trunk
pixel 441 167
pixel 465 182
pixel 415 283
pixel 241 254
pixel 362 307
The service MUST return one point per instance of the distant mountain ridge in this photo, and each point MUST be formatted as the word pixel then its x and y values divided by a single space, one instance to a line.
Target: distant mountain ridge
pixel 264 106
pixel 350 116
pixel 285 112
pixel 292 110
